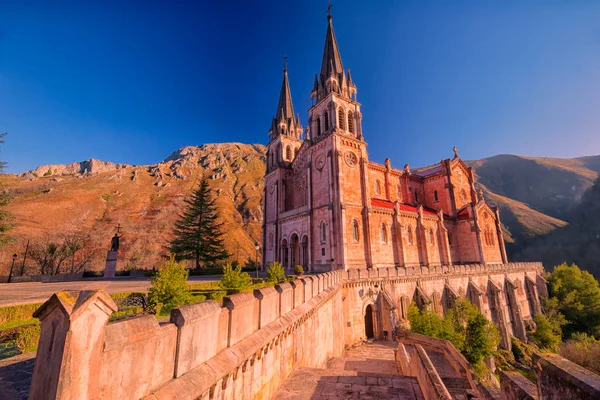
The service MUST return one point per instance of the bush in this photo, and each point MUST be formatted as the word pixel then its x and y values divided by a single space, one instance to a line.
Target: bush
pixel 464 326
pixel 218 295
pixel 27 339
pixel 11 316
pixel 583 350
pixel 276 273
pixel 169 286
pixel 234 279
pixel 298 269
pixel 546 335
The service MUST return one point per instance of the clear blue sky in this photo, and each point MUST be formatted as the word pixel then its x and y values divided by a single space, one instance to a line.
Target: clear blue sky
pixel 134 81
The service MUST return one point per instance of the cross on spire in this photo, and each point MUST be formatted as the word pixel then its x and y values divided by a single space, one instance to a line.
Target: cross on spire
pixel 284 63
pixel 329 10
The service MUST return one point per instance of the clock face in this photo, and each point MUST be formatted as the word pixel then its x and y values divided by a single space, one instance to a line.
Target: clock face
pixel 320 162
pixel 351 159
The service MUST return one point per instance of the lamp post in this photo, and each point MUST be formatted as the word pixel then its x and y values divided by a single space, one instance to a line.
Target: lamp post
pixel 256 247
pixel 14 257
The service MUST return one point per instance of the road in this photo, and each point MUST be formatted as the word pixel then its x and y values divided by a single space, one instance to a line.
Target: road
pixel 36 292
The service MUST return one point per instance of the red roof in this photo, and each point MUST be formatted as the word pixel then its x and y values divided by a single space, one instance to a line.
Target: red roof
pixel 464 214
pixel 407 207
pixel 382 203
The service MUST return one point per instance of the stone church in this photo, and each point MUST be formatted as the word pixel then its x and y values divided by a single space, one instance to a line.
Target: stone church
pixel 327 207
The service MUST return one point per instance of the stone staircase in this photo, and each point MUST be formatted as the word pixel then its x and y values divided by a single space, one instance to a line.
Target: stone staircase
pixel 456 384
pixel 365 372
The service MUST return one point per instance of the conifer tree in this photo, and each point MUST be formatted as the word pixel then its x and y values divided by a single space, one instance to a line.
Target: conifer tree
pixel 197 232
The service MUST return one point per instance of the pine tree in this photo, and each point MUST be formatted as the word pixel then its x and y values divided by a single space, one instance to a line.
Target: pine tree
pixel 197 233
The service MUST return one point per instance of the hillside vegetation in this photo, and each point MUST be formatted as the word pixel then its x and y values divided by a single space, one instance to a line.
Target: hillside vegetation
pixel 536 196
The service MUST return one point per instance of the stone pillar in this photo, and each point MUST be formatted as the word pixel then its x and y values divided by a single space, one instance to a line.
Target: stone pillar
pixel 67 364
pixel 111 264
pixel 498 315
pixel 513 305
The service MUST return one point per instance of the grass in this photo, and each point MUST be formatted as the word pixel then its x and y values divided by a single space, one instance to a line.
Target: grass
pixel 16 324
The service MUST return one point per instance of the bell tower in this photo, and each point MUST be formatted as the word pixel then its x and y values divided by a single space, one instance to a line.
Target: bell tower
pixel 285 135
pixel 334 106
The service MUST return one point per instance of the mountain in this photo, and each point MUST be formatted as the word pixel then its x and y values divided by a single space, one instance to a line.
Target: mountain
pixel 94 196
pixel 536 196
pixel 578 242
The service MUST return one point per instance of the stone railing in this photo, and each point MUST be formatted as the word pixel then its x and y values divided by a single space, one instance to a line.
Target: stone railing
pixel 559 378
pixel 418 364
pixel 436 271
pixel 243 349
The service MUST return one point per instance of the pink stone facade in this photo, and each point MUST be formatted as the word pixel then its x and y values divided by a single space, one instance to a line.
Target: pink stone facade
pixel 327 207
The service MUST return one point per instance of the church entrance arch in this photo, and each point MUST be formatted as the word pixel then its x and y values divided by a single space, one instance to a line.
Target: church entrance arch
pixel 284 253
pixel 369 329
pixel 305 252
pixel 294 251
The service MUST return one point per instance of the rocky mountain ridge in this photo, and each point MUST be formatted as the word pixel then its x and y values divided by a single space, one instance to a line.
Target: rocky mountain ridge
pixel 535 195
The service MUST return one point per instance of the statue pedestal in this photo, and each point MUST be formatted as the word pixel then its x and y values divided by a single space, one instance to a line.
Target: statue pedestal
pixel 111 264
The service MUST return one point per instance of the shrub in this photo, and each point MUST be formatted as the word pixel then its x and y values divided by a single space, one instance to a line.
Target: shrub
pixel 298 269
pixel 13 315
pixel 583 350
pixel 218 295
pixel 276 273
pixel 234 278
pixel 546 335
pixel 480 339
pixel 27 339
pixel 169 286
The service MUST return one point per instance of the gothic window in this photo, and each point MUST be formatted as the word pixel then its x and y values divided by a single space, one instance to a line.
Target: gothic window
pixel 326 121
pixel 416 196
pixel 318 126
pixel 355 230
pixel 350 122
pixel 271 241
pixel 288 153
pixel 435 196
pixel 409 236
pixel 323 232
pixel 383 233
pixel 377 187
pixel 450 239
pixel 341 119
pixel 431 237
pixel 463 195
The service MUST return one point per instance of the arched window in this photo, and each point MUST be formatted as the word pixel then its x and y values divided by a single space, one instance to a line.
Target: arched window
pixel 450 239
pixel 355 230
pixel 431 237
pixel 341 119
pixel 416 196
pixel 409 236
pixel 288 153
pixel 383 233
pixel 350 122
pixel 318 126
pixel 377 187
pixel 435 196
pixel 326 121
pixel 323 232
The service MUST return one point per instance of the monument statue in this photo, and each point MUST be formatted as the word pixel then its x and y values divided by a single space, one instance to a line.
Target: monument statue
pixel 114 242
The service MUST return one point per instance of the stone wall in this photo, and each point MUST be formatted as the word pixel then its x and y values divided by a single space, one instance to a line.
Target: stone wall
pixel 561 379
pixel 241 350
pixel 498 290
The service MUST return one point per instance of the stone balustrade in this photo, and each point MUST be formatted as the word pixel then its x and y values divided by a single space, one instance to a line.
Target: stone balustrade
pixel 205 348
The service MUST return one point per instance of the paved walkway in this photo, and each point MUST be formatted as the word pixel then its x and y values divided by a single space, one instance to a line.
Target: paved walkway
pixel 366 372
pixel 36 292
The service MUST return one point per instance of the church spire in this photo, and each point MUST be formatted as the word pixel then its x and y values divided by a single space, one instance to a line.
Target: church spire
pixel 285 122
pixel 332 62
pixel 285 108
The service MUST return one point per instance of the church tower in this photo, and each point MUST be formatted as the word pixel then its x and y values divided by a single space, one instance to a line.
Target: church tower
pixel 285 135
pixel 334 107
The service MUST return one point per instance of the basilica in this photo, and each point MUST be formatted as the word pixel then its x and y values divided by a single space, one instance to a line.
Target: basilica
pixel 327 207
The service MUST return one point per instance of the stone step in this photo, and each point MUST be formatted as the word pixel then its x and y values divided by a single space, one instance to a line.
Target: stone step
pixel 313 383
pixel 456 383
